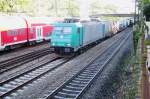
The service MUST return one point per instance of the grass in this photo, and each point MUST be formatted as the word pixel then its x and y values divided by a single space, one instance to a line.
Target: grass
pixel 147 42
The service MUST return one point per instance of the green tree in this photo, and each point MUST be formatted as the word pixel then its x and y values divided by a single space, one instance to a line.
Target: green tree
pixel 147 12
pixel 146 1
pixel 12 5
pixel 97 7
pixel 72 8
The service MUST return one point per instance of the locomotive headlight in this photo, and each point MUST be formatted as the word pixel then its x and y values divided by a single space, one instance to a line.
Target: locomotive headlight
pixel 53 44
pixel 61 36
pixel 68 44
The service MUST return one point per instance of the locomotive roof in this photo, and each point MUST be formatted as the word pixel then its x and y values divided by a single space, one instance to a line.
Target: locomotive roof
pixel 78 24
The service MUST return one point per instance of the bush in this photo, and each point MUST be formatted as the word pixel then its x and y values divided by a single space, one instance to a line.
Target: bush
pixel 136 37
pixel 147 12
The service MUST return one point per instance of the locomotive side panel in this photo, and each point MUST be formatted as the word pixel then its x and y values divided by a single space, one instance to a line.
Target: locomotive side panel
pixel 92 32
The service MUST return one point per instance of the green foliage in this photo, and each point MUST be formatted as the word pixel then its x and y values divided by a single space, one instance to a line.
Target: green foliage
pixel 61 8
pixel 136 36
pixel 146 1
pixel 147 42
pixel 147 11
pixel 97 7
pixel 132 92
pixel 132 79
pixel 12 5
pixel 73 8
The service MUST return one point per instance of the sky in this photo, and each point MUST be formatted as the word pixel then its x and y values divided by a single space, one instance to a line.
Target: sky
pixel 123 6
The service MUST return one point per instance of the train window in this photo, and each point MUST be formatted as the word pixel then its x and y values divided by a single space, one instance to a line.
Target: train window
pixel 12 33
pixel 8 33
pixel 21 31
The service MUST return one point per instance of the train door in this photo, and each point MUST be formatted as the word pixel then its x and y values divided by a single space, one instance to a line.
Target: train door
pixel 39 33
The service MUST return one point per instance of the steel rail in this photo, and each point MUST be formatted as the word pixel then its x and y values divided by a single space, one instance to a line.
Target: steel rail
pixel 20 60
pixel 75 86
pixel 9 86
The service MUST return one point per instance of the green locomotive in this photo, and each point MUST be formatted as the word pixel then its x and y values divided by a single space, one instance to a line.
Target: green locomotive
pixel 71 37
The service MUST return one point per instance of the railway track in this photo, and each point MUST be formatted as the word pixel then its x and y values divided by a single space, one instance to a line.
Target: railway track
pixel 78 84
pixel 13 84
pixel 20 60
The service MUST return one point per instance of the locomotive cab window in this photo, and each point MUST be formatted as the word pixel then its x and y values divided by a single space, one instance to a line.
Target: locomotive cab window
pixel 67 30
pixel 58 29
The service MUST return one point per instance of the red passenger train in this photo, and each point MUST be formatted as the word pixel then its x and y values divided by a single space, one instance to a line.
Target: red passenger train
pixel 18 30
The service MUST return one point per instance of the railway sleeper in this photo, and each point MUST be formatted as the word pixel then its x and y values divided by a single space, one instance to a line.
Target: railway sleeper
pixel 68 90
pixel 66 95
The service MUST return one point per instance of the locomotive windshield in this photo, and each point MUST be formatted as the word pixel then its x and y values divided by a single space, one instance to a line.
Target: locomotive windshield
pixel 65 30
pixel 58 29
